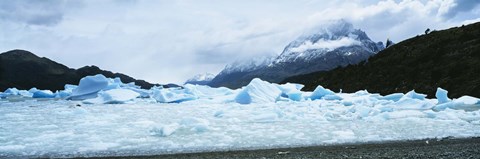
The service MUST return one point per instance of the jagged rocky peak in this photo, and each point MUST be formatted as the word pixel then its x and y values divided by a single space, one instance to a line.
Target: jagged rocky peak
pixel 329 36
pixel 201 79
pixel 334 44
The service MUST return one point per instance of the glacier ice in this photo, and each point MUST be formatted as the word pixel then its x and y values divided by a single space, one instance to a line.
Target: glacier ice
pixel 393 97
pixel 89 87
pixel 43 94
pixel 198 118
pixel 11 91
pixel 441 95
pixel 467 103
pixel 114 96
pixel 414 95
pixel 172 95
pixel 258 91
pixel 320 92
pixel 292 91
pixel 165 130
pixel 119 95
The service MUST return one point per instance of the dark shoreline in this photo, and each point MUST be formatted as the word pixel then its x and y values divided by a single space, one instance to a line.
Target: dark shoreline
pixel 427 148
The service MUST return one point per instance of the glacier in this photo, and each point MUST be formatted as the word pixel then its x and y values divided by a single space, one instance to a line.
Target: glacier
pixel 116 119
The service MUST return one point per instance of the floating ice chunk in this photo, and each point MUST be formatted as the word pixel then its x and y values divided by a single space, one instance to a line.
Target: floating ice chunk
pixel 66 92
pixel 414 95
pixel 143 93
pixel 118 96
pixel 468 100
pixel 70 87
pixel 362 93
pixel 441 95
pixel 258 91
pixel 206 91
pixel 25 93
pixel 89 86
pixel 332 97
pixel 347 103
pixel 467 103
pixel 393 97
pixel 320 92
pixel 172 95
pixel 11 91
pixel 43 94
pixel 32 90
pixel 412 104
pixel 112 86
pixel 290 86
pixel 292 91
pixel 165 130
pixel 404 114
pixel 62 94
pixel 295 95
pixel 195 124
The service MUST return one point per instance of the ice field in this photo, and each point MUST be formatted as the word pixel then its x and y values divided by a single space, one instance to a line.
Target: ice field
pixel 104 117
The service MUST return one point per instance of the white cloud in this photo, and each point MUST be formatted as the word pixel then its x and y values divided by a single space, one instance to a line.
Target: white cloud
pixel 326 44
pixel 170 41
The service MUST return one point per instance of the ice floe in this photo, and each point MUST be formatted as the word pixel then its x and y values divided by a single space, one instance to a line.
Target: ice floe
pixel 103 116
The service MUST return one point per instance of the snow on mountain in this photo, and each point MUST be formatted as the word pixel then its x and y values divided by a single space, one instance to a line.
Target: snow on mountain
pixel 334 44
pixel 331 36
pixel 250 64
pixel 201 79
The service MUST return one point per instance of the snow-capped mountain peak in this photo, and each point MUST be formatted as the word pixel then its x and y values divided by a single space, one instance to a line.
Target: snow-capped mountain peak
pixel 326 38
pixel 201 79
pixel 250 64
pixel 334 44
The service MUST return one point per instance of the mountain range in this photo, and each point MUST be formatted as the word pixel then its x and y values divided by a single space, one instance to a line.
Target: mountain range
pixel 24 70
pixel 335 44
pixel 449 59
pixel 201 79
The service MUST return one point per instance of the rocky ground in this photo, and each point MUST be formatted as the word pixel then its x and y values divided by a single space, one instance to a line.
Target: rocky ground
pixel 429 148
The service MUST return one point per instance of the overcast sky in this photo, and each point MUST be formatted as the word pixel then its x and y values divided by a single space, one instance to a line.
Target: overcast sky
pixel 171 41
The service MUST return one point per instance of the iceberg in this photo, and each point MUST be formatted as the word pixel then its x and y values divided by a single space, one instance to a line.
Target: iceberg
pixel 195 124
pixel 25 93
pixel 466 103
pixel 11 91
pixel 258 91
pixel 412 104
pixel 172 95
pixel 202 91
pixel 393 97
pixel 89 86
pixel 320 92
pixel 165 130
pixel 43 94
pixel 414 95
pixel 116 96
pixel 204 118
pixel 441 96
pixel 292 91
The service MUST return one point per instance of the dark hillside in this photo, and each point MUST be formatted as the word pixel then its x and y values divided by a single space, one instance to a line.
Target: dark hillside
pixel 23 70
pixel 449 59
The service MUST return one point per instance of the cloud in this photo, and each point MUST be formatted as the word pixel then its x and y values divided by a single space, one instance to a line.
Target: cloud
pixel 457 6
pixel 326 44
pixel 397 20
pixel 35 12
pixel 170 41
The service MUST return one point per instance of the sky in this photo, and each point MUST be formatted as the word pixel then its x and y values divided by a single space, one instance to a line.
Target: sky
pixel 169 41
